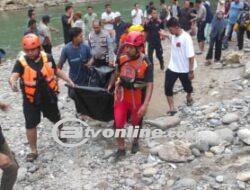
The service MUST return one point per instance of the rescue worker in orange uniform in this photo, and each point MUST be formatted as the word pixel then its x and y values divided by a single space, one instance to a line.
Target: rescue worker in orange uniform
pixel 38 81
pixel 133 88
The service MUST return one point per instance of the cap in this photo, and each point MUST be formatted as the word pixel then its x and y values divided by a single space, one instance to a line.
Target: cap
pixel 117 14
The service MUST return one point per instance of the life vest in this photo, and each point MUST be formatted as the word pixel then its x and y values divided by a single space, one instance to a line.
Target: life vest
pixel 29 77
pixel 132 72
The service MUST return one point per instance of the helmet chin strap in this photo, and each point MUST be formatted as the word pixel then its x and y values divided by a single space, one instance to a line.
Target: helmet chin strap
pixel 137 53
pixel 38 56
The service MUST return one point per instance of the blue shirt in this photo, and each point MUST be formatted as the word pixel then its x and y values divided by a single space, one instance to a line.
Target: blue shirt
pixel 119 30
pixel 209 16
pixel 218 27
pixel 76 57
pixel 235 11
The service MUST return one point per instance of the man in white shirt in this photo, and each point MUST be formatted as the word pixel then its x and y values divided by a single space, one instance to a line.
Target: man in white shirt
pixel 182 63
pixel 46 30
pixel 79 23
pixel 108 20
pixel 137 15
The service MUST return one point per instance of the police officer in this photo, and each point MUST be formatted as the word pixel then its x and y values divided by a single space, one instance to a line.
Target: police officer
pixel 152 28
pixel 101 45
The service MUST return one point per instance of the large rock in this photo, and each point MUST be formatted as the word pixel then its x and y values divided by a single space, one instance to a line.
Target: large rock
pixel 230 118
pixel 149 172
pixel 140 187
pixel 219 179
pixel 208 137
pixel 155 150
pixel 247 70
pixel 184 184
pixel 244 135
pixel 103 185
pixel 217 149
pixel 243 176
pixel 22 173
pixel 165 122
pixel 232 57
pixel 175 152
pixel 225 134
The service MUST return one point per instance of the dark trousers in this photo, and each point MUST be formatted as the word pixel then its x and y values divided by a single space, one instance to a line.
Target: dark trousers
pixel 217 42
pixel 240 37
pixel 9 174
pixel 159 52
pixel 170 79
pixel 201 31
pixel 228 35
pixel 47 48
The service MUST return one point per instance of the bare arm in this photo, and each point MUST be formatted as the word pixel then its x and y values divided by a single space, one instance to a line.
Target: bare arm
pixel 90 62
pixel 107 21
pixel 5 161
pixel 71 18
pixel 13 81
pixel 113 79
pixel 143 109
pixel 64 77
pixel 191 63
pixel 60 65
pixel 53 29
pixel 149 92
pixel 191 68
pixel 164 34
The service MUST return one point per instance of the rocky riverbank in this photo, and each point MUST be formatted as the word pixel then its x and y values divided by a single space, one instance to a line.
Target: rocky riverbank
pixel 21 4
pixel 203 147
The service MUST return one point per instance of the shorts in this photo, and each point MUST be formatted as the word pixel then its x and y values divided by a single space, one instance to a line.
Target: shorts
pixel 32 113
pixel 201 31
pixel 170 79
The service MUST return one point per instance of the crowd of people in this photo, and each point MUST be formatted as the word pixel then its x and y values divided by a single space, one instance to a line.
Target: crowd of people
pixel 128 47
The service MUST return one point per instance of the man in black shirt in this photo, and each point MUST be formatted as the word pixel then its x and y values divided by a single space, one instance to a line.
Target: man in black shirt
pixel 185 16
pixel 37 71
pixel 7 160
pixel 67 20
pixel 152 29
pixel 31 15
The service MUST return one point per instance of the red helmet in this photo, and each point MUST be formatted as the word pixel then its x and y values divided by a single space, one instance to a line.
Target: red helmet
pixel 135 38
pixel 31 41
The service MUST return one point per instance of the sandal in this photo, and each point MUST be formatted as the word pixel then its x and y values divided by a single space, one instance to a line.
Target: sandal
pixel 208 63
pixel 31 157
pixel 171 113
pixel 190 101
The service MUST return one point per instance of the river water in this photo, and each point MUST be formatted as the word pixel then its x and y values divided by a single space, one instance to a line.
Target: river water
pixel 13 23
